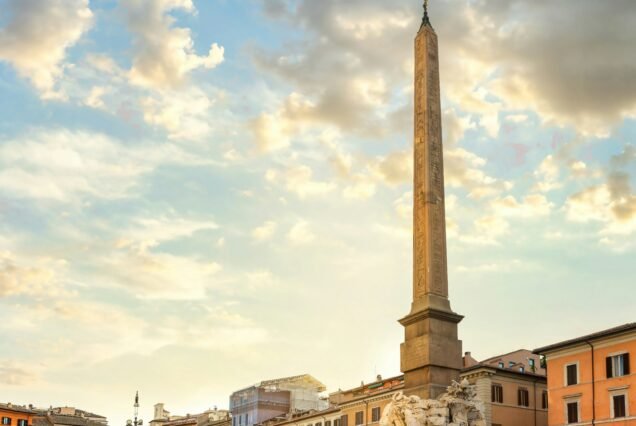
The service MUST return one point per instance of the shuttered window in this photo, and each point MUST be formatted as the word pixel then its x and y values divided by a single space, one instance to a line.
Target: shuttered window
pixel 375 414
pixel 544 400
pixel 523 399
pixel 344 420
pixel 572 374
pixel 619 406
pixel 359 418
pixel 573 412
pixel 496 393
pixel 617 365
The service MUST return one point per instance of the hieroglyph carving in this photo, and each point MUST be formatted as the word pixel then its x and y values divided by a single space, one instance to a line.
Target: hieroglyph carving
pixel 430 267
pixel 459 406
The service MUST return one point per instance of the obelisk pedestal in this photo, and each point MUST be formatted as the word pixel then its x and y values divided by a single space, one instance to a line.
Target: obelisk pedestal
pixel 431 355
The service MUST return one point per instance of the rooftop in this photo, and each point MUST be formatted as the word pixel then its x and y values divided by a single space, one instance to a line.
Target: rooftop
pixel 610 332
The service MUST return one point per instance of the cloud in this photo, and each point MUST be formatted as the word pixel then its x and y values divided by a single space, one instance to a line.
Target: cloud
pixel 300 234
pixel 14 374
pixel 38 281
pixel 184 114
pixel 495 57
pixel 532 206
pixel 395 168
pixel 342 71
pixel 547 175
pixel 612 203
pixel 62 165
pixel 153 275
pixel 264 232
pixel 151 231
pixel 360 189
pixel 37 36
pixel 273 131
pixel 299 180
pixel 463 169
pixel 164 54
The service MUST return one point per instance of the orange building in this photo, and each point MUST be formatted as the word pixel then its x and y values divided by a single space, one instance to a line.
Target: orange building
pixel 589 378
pixel 15 415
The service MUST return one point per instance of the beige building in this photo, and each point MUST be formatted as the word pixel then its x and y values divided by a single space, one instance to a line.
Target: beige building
pixel 362 405
pixel 213 417
pixel 512 386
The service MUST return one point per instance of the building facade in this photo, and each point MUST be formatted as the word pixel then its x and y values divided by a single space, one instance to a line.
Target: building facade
pixel 16 415
pixel 513 394
pixel 359 406
pixel 276 398
pixel 215 417
pixel 590 380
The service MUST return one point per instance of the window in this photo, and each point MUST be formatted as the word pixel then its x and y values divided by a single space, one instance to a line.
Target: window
pixel 544 400
pixel 619 404
pixel 573 412
pixel 511 364
pixel 234 421
pixel 496 393
pixel 336 422
pixel 572 374
pixel 6 420
pixel 617 365
pixel 22 422
pixel 359 418
pixel 531 363
pixel 375 414
pixel 318 424
pixel 327 422
pixel 501 364
pixel 522 369
pixel 246 418
pixel 344 419
pixel 523 397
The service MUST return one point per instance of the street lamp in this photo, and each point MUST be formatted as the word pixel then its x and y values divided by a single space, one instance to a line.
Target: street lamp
pixel 136 422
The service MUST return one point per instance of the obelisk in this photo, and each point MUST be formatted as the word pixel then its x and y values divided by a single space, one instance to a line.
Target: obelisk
pixel 431 355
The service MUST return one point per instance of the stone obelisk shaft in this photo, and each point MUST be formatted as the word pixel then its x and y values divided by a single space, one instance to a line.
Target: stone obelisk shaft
pixel 430 276
pixel 431 355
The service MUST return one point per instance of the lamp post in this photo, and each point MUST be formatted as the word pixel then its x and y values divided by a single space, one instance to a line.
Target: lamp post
pixel 137 421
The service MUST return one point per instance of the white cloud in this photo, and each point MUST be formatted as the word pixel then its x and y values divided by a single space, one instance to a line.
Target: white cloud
pixel 152 275
pixel 150 231
pixel 532 206
pixel 300 234
pixel 264 232
pixel 62 165
pixel 184 114
pixel 463 169
pixel 300 181
pixel 38 280
pixel 37 36
pixel 547 175
pixel 17 374
pixel 164 54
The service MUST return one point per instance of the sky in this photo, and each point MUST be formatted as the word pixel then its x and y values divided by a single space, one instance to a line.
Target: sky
pixel 199 195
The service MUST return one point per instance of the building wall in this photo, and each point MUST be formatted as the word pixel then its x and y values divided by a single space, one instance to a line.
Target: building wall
pixel 509 412
pixel 560 393
pixel 15 416
pixel 365 406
